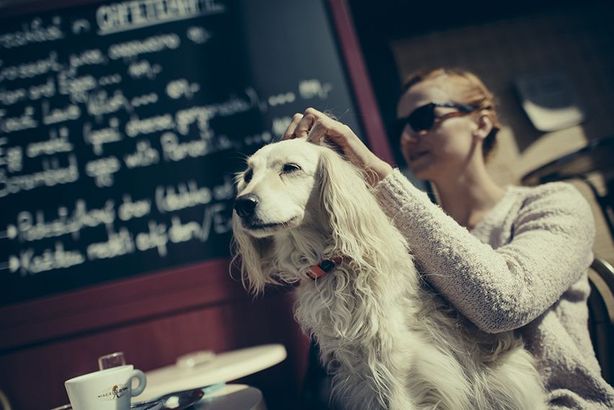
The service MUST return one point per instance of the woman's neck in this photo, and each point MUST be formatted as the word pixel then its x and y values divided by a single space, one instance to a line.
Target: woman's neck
pixel 468 197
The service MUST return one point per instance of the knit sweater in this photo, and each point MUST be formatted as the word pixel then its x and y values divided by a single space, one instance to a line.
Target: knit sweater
pixel 523 267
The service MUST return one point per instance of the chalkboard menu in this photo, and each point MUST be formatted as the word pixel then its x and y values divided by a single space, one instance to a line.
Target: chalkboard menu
pixel 122 124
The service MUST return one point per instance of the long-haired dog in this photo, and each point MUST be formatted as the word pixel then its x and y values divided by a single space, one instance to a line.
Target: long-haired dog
pixel 387 339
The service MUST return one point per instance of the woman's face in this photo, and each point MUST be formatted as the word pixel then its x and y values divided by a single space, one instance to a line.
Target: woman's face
pixel 447 148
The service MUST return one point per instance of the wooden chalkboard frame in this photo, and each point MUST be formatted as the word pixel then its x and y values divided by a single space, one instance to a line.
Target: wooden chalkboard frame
pixel 91 309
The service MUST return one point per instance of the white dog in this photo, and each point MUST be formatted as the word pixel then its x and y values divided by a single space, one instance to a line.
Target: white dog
pixel 304 215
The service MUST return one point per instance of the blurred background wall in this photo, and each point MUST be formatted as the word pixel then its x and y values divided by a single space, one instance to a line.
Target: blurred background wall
pixel 500 44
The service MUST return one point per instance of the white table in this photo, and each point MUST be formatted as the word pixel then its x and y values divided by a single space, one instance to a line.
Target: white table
pixel 233 397
pixel 222 368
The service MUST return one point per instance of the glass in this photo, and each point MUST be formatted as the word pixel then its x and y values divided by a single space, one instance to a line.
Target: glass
pixel 111 360
pixel 423 118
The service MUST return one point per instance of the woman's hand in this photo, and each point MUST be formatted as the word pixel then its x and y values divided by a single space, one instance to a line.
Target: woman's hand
pixel 317 126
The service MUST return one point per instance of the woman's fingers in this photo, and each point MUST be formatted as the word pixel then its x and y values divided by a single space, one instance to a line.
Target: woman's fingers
pixel 305 124
pixel 323 126
pixel 315 125
pixel 317 132
pixel 289 134
pixel 301 124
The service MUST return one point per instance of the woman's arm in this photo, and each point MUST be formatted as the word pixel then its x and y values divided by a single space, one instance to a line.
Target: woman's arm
pixel 506 288
pixel 500 289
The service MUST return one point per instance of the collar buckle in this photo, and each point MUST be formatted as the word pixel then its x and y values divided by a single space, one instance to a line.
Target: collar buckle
pixel 325 266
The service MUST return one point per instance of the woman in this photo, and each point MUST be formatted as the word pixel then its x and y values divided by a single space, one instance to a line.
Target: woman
pixel 506 258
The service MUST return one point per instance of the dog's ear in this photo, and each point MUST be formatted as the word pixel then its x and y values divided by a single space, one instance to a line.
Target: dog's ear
pixel 253 256
pixel 353 213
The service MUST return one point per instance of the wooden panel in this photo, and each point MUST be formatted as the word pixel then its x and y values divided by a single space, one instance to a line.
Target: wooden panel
pixel 116 302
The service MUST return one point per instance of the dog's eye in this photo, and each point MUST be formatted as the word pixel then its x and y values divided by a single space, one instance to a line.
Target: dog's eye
pixel 290 167
pixel 247 176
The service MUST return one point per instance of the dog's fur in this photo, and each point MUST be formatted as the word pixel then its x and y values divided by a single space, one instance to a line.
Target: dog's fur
pixel 388 340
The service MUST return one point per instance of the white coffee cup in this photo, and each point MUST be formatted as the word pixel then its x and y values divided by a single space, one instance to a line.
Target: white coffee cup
pixel 109 389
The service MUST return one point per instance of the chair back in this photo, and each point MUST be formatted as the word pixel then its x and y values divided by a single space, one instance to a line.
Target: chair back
pixel 601 315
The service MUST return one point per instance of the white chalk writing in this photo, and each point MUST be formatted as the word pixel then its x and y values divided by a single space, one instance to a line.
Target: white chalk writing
pixel 52 174
pixel 130 209
pixel 11 157
pixel 154 44
pixel 97 138
pixel 180 88
pixel 44 90
pixel 57 142
pixel 9 97
pixel 80 26
pixel 130 15
pixel 174 150
pixel 213 218
pixel 86 57
pixel 118 244
pixel 102 170
pixel 199 35
pixel 155 238
pixel 55 115
pixel 135 132
pixel 185 195
pixel 138 126
pixel 144 156
pixel 144 68
pixel 100 103
pixel 76 87
pixel 33 226
pixel 281 99
pixel 29 263
pixel 22 122
pixel 144 99
pixel 31 69
pixel 34 32
pixel 314 88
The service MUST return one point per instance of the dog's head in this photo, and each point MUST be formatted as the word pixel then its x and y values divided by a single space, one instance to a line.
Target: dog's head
pixel 295 202
pixel 273 192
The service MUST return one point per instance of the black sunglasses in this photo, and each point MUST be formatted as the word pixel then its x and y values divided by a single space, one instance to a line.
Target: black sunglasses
pixel 423 118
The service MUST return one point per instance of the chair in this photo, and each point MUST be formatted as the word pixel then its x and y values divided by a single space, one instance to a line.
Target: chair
pixel 4 401
pixel 595 156
pixel 601 315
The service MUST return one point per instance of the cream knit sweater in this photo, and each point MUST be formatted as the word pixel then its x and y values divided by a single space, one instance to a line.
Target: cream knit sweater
pixel 522 267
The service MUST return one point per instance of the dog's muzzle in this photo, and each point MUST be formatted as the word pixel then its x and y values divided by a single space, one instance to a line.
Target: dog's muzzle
pixel 245 205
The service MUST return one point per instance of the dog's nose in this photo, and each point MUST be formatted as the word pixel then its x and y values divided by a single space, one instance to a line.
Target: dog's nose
pixel 245 205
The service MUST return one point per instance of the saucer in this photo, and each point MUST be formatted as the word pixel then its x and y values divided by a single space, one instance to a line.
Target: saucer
pixel 175 401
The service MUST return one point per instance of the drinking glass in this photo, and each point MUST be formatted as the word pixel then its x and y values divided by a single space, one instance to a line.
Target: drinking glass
pixel 111 360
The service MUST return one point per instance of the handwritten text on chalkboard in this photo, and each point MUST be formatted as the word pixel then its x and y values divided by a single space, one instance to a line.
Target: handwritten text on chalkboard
pixel 121 125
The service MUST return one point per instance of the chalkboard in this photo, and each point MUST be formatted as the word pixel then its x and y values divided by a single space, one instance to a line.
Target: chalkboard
pixel 122 124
